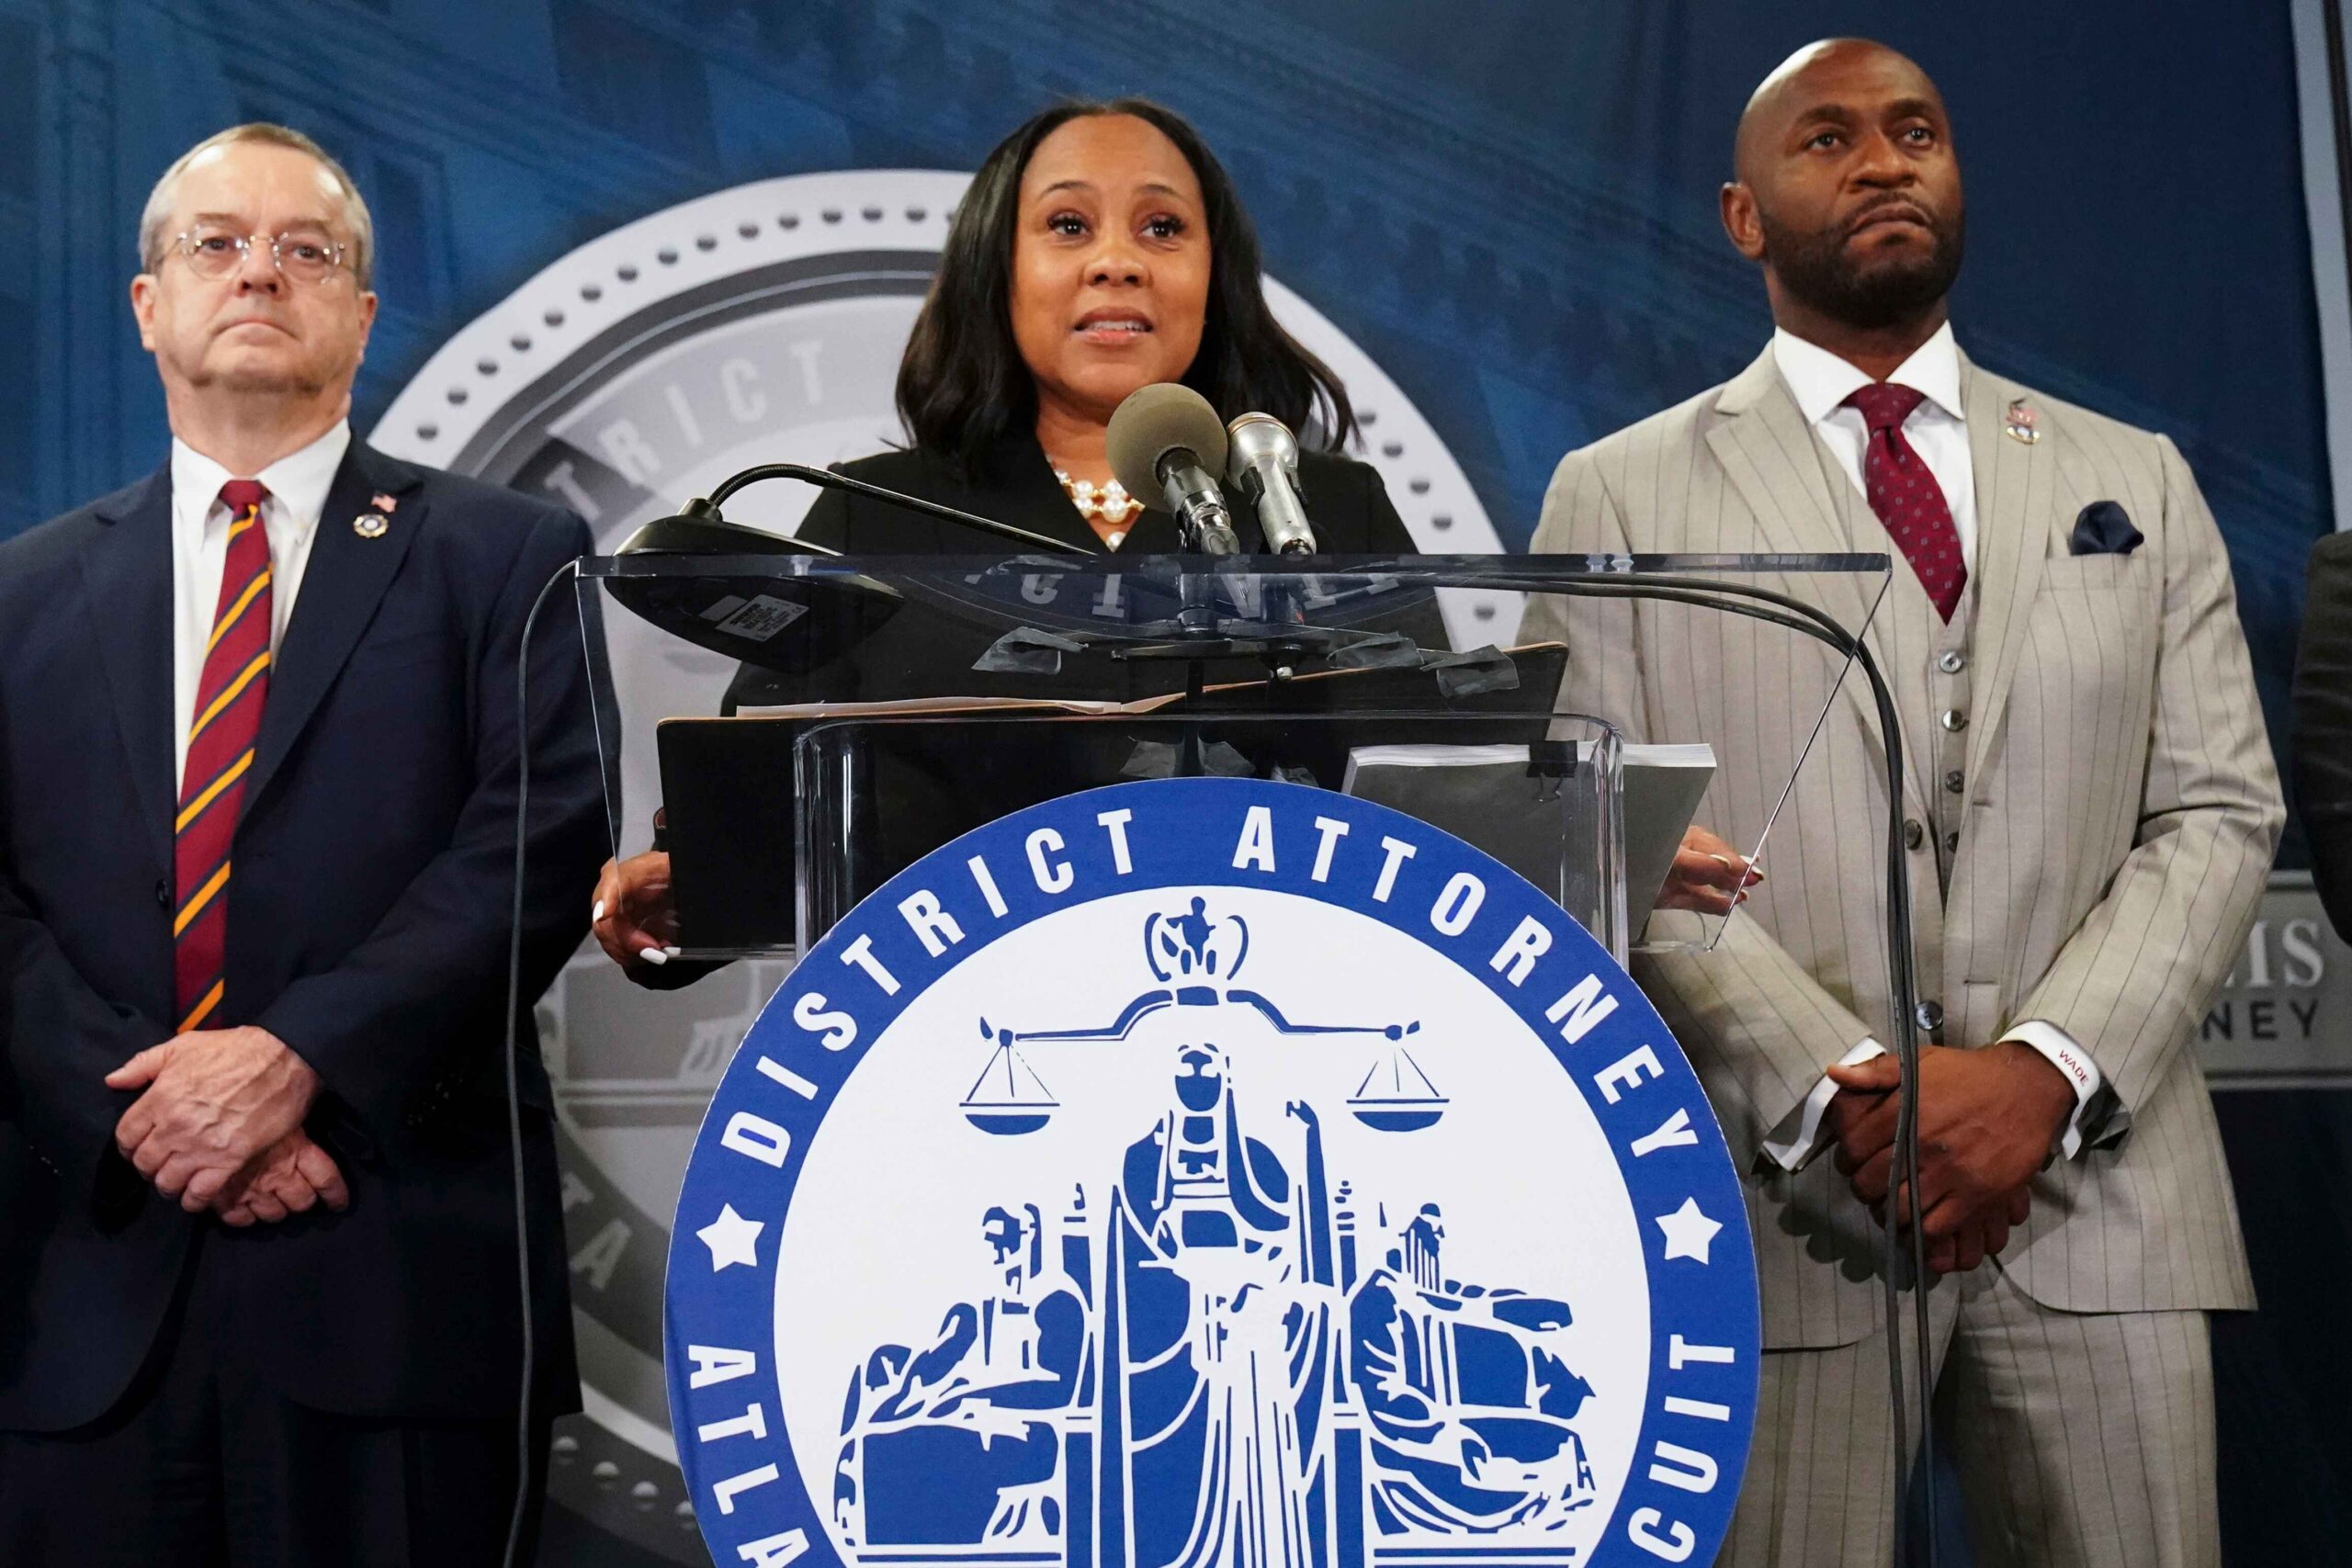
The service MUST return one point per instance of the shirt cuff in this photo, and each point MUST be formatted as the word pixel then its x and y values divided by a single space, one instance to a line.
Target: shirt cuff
pixel 1789 1144
pixel 2070 1059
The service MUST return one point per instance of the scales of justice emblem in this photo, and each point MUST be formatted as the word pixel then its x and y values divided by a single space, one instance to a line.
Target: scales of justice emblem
pixel 1264 1236
pixel 1234 1334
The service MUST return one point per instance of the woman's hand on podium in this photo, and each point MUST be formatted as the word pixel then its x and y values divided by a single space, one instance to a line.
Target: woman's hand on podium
pixel 1708 875
pixel 633 920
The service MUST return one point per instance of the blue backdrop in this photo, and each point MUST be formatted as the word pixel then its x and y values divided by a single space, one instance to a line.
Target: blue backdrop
pixel 1509 205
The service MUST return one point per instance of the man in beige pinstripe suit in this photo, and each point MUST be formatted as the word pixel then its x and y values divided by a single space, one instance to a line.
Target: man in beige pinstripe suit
pixel 2090 804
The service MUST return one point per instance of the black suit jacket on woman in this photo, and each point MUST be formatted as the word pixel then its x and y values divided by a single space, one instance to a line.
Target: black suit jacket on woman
pixel 916 655
pixel 1015 484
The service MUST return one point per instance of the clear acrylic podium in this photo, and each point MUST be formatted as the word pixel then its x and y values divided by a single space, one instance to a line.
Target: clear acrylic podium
pixel 802 726
pixel 713 665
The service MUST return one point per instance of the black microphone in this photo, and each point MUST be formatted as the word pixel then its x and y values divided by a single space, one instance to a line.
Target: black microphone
pixel 1264 463
pixel 1166 438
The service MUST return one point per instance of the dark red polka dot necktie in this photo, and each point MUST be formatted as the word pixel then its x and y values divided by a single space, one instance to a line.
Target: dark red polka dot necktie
pixel 1905 495
pixel 220 736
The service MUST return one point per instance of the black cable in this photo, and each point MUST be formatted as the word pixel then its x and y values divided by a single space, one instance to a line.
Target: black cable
pixel 825 478
pixel 1902 982
pixel 523 1437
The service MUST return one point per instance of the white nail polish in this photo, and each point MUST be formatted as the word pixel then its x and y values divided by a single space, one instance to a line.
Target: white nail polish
pixel 598 912
pixel 654 956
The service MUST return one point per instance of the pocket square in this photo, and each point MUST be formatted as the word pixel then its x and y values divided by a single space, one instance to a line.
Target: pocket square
pixel 2104 528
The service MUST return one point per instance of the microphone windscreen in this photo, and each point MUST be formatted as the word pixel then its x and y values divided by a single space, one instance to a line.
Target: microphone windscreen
pixel 1154 419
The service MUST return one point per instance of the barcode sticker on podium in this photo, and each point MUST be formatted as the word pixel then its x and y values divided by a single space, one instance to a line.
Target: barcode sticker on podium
pixel 762 618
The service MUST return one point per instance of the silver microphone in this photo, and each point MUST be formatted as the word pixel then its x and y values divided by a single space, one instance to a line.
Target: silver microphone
pixel 1263 458
pixel 1165 437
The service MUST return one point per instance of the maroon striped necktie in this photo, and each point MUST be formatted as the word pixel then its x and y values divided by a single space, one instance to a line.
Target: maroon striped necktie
pixel 1904 494
pixel 221 735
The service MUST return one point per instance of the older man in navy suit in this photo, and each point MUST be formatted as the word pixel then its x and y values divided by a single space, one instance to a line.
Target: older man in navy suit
pixel 260 752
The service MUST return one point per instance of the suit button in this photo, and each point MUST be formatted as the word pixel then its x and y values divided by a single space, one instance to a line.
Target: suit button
pixel 162 893
pixel 1953 782
pixel 1913 834
pixel 1954 720
pixel 1952 842
pixel 1951 662
pixel 1930 1016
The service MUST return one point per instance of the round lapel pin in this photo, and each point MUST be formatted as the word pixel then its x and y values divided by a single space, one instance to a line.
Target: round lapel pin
pixel 2019 422
pixel 370 525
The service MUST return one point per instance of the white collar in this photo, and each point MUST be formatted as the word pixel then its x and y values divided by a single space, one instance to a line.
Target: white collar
pixel 1821 382
pixel 298 481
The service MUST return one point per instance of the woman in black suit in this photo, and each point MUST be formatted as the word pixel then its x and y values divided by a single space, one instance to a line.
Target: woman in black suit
pixel 1101 248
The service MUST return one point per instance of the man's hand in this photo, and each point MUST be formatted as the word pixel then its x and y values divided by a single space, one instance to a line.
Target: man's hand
pixel 1860 1118
pixel 1981 1237
pixel 215 1099
pixel 1987 1122
pixel 293 1176
pixel 1855 1119
pixel 1708 875
pixel 634 918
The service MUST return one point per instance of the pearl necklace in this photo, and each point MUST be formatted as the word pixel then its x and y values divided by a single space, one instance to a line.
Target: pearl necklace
pixel 1111 502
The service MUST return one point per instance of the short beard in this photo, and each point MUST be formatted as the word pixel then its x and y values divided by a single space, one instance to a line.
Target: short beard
pixel 1814 269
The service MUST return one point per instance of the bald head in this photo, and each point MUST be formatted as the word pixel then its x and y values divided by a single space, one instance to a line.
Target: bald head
pixel 1846 189
pixel 1822 70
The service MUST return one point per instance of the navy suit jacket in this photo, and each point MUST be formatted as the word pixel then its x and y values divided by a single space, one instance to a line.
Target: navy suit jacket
pixel 369 919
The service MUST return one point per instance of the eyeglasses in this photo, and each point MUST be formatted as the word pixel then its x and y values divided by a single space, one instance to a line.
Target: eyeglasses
pixel 303 257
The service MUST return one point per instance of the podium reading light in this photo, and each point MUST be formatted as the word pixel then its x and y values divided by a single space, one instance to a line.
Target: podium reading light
pixel 760 602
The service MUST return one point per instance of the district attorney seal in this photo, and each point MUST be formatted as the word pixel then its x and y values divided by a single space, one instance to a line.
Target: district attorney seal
pixel 1211 1171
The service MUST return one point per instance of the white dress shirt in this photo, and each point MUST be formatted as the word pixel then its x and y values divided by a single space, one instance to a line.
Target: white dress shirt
pixel 298 485
pixel 1938 431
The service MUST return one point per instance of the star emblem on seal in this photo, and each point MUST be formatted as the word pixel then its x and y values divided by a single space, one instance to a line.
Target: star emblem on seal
pixel 733 1239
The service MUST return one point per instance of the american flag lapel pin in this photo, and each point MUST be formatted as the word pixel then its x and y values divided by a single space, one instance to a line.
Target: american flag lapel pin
pixel 2018 424
pixel 372 525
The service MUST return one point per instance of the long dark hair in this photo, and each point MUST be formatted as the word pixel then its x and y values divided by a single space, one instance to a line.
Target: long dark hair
pixel 963 387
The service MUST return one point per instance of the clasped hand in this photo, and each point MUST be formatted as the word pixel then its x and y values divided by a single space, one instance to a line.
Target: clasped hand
pixel 219 1126
pixel 1987 1120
